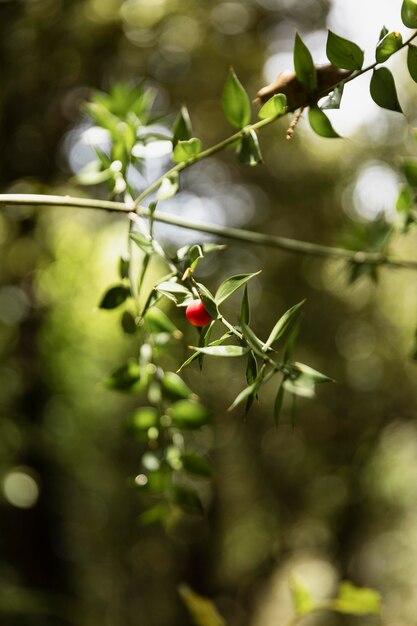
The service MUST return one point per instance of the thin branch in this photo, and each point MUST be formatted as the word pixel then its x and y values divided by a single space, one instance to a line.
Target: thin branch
pixel 223 232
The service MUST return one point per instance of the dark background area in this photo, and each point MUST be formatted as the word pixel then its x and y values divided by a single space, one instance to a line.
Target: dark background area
pixel 332 499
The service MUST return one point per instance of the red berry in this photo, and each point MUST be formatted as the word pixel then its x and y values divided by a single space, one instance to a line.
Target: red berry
pixel 197 314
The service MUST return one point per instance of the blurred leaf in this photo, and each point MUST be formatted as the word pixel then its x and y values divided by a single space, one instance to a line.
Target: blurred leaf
pixel 279 398
pixel 223 351
pixel 283 324
pixel 169 187
pixel 93 174
pixel 383 90
pixel 158 322
pixel 114 297
pixel 188 500
pixel 202 611
pixel 235 101
pixel 357 600
pixel 405 200
pixel 412 61
pixel 409 13
pixel 124 264
pixel 334 98
pixel 409 168
pixel 143 418
pixel 143 242
pixel 125 378
pixel 343 53
pixel 197 465
pixel 174 387
pixel 230 285
pixel 128 323
pixel 301 598
pixel 274 107
pixel 189 415
pixel 304 66
pixel 187 252
pixel 320 123
pixel 248 151
pixel 157 513
pixel 186 150
pixel 388 46
pixel 182 128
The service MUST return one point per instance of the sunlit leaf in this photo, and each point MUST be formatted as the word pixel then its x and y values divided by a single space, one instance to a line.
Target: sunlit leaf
pixel 189 415
pixel 334 98
pixel 174 388
pixel 169 187
pixel 321 124
pixel 283 324
pixel 143 242
pixel 202 611
pixel 301 598
pixel 236 102
pixel 114 297
pixel 405 200
pixel 174 291
pixel 230 285
pixel 304 66
pixel 409 13
pixel 253 340
pixel 186 150
pixel 383 90
pixel 93 174
pixel 158 322
pixel 143 418
pixel 357 600
pixel 246 393
pixel 223 351
pixel 388 46
pixel 182 129
pixel 274 107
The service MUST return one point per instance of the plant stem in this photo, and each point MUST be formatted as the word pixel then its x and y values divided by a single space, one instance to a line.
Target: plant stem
pixel 237 234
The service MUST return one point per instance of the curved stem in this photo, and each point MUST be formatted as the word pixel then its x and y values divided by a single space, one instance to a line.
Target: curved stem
pixel 237 234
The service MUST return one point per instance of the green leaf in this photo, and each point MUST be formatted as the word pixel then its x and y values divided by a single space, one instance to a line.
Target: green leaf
pixel 182 129
pixel 245 307
pixel 188 500
pixel 301 598
pixel 197 465
pixel 304 66
pixel 125 378
pixel 321 124
pixel 174 388
pixel 158 322
pixel 409 168
pixel 235 101
pixel 357 600
pixel 383 90
pixel 405 200
pixel 114 297
pixel 409 13
pixel 189 415
pixel 202 611
pixel 93 174
pixel 224 351
pixel 230 285
pixel 334 98
pixel 316 376
pixel 208 300
pixel 412 61
pixel 343 53
pixel 169 187
pixel 282 325
pixel 302 380
pixel 248 151
pixel 251 368
pixel 248 392
pixel 253 341
pixel 279 398
pixel 186 150
pixel 274 107
pixel 143 242
pixel 388 46
pixel 175 292
pixel 384 31
pixel 128 323
pixel 143 418
pixel 124 264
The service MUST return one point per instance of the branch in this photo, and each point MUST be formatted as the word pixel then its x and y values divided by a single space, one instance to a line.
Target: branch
pixel 237 234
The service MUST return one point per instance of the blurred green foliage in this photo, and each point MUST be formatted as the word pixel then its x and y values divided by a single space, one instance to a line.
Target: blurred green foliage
pixel 333 498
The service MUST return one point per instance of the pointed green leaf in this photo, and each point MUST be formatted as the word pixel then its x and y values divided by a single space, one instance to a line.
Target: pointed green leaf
pixel 316 376
pixel 357 600
pixel 384 31
pixel 246 393
pixel 248 151
pixel 174 291
pixel 253 341
pixel 189 415
pixel 409 13
pixel 343 53
pixel 230 285
pixel 304 66
pixel 197 465
pixel 301 597
pixel 388 46
pixel 208 300
pixel 173 387
pixel 143 242
pixel 158 322
pixel 274 107
pixel 114 297
pixel 128 323
pixel 279 398
pixel 186 150
pixel 235 101
pixel 383 90
pixel 321 124
pixel 224 351
pixel 284 322
pixel 409 168
pixel 412 61
pixel 182 129
pixel 334 98
pixel 202 610
pixel 245 307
